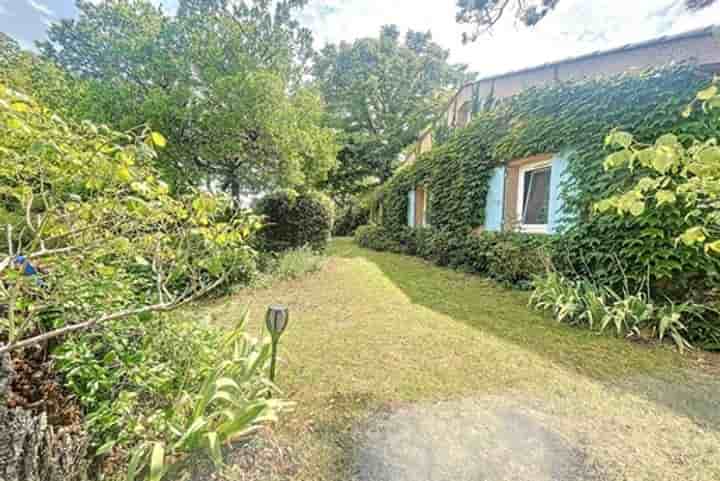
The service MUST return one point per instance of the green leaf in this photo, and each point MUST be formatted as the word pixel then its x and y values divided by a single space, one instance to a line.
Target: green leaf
pixel 637 208
pixel 669 140
pixel 693 236
pixel 708 93
pixel 157 462
pixel 665 197
pixel 158 140
pixel 214 448
pixel 617 159
pixel 665 159
pixel 136 459
pixel 105 448
pixel 20 106
pixel 619 139
pixel 713 247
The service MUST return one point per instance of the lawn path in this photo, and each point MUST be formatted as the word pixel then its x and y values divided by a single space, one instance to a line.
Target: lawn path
pixel 405 371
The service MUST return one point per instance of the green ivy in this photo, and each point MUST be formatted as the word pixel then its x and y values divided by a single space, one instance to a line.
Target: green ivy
pixel 570 117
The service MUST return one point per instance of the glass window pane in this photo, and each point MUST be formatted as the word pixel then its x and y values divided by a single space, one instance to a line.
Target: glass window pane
pixel 536 200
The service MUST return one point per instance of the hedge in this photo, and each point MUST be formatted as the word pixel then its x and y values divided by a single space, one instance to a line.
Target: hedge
pixel 294 220
pixel 510 258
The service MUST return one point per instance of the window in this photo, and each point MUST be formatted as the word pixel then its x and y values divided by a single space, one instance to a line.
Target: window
pixel 534 197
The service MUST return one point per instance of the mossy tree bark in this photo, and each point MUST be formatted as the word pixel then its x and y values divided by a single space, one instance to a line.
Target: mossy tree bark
pixel 30 449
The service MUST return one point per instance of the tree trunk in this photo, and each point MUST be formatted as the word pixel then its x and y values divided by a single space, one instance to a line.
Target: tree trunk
pixel 30 450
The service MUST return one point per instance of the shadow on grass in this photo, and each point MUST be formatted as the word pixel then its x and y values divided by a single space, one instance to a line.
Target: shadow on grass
pixel 656 372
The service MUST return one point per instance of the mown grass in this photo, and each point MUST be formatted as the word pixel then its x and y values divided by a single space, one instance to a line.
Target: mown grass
pixel 375 330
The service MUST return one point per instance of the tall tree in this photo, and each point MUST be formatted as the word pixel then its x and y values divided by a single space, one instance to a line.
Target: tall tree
pixel 382 92
pixel 485 14
pixel 223 80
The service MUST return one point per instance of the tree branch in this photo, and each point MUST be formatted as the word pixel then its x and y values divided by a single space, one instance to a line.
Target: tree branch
pixel 162 307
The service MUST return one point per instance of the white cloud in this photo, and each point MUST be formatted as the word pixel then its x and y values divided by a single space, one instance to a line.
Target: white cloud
pixel 577 27
pixel 41 7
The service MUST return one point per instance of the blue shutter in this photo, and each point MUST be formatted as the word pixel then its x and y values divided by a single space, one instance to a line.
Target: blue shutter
pixel 411 208
pixel 557 176
pixel 494 201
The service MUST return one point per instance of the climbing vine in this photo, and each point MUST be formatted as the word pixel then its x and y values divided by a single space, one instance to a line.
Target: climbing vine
pixel 574 117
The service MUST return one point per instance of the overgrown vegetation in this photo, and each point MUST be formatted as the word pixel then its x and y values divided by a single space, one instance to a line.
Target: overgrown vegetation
pixel 96 247
pixel 291 264
pixel 294 220
pixel 653 249
pixel 223 80
pixel 584 304
pixel 510 258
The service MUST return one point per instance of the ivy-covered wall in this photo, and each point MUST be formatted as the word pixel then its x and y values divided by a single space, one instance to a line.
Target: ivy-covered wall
pixel 573 117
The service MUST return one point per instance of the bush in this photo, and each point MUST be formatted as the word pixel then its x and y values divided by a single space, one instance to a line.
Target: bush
pixel 150 380
pixel 293 263
pixel 511 258
pixel 295 220
pixel 583 303
pixel 350 218
pixel 374 237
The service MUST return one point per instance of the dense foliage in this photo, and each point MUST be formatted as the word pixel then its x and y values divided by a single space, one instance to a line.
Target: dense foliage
pixel 354 214
pixel 575 118
pixel 94 246
pixel 510 258
pixel 382 92
pixel 682 181
pixel 222 80
pixel 585 304
pixel 295 220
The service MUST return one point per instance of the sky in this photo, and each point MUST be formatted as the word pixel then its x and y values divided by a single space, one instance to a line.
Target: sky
pixel 576 27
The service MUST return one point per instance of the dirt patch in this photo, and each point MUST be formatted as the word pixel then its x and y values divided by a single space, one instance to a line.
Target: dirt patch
pixel 469 440
pixel 262 458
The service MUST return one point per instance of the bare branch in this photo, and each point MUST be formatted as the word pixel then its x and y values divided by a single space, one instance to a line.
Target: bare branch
pixel 162 307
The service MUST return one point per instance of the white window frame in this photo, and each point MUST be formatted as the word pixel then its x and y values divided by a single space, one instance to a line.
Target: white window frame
pixel 531 228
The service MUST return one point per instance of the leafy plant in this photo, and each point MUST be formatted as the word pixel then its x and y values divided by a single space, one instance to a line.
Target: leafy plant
pixel 584 304
pixel 103 234
pixel 294 220
pixel 232 402
pixel 574 117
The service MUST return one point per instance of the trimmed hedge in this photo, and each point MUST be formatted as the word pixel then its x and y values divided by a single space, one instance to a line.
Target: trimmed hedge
pixel 294 220
pixel 510 258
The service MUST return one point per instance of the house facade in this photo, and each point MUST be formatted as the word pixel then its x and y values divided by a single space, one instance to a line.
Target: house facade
pixel 524 193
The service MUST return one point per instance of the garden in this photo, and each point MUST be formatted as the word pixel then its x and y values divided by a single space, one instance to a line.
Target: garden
pixel 207 271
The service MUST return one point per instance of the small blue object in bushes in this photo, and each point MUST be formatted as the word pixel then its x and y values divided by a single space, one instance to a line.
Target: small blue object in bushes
pixel 29 269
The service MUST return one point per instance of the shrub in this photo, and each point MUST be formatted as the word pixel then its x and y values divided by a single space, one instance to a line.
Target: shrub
pixel 223 402
pixel 295 220
pixel 511 258
pixel 375 237
pixel 293 263
pixel 351 217
pixel 583 303
pixel 168 381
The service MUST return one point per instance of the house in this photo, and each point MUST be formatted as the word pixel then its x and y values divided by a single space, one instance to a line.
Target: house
pixel 524 192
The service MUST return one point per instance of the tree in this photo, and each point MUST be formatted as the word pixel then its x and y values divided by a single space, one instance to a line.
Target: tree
pixel 26 72
pixel 485 14
pixel 382 93
pixel 222 80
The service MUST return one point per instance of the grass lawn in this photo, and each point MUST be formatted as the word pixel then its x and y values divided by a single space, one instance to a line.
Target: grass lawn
pixel 376 332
